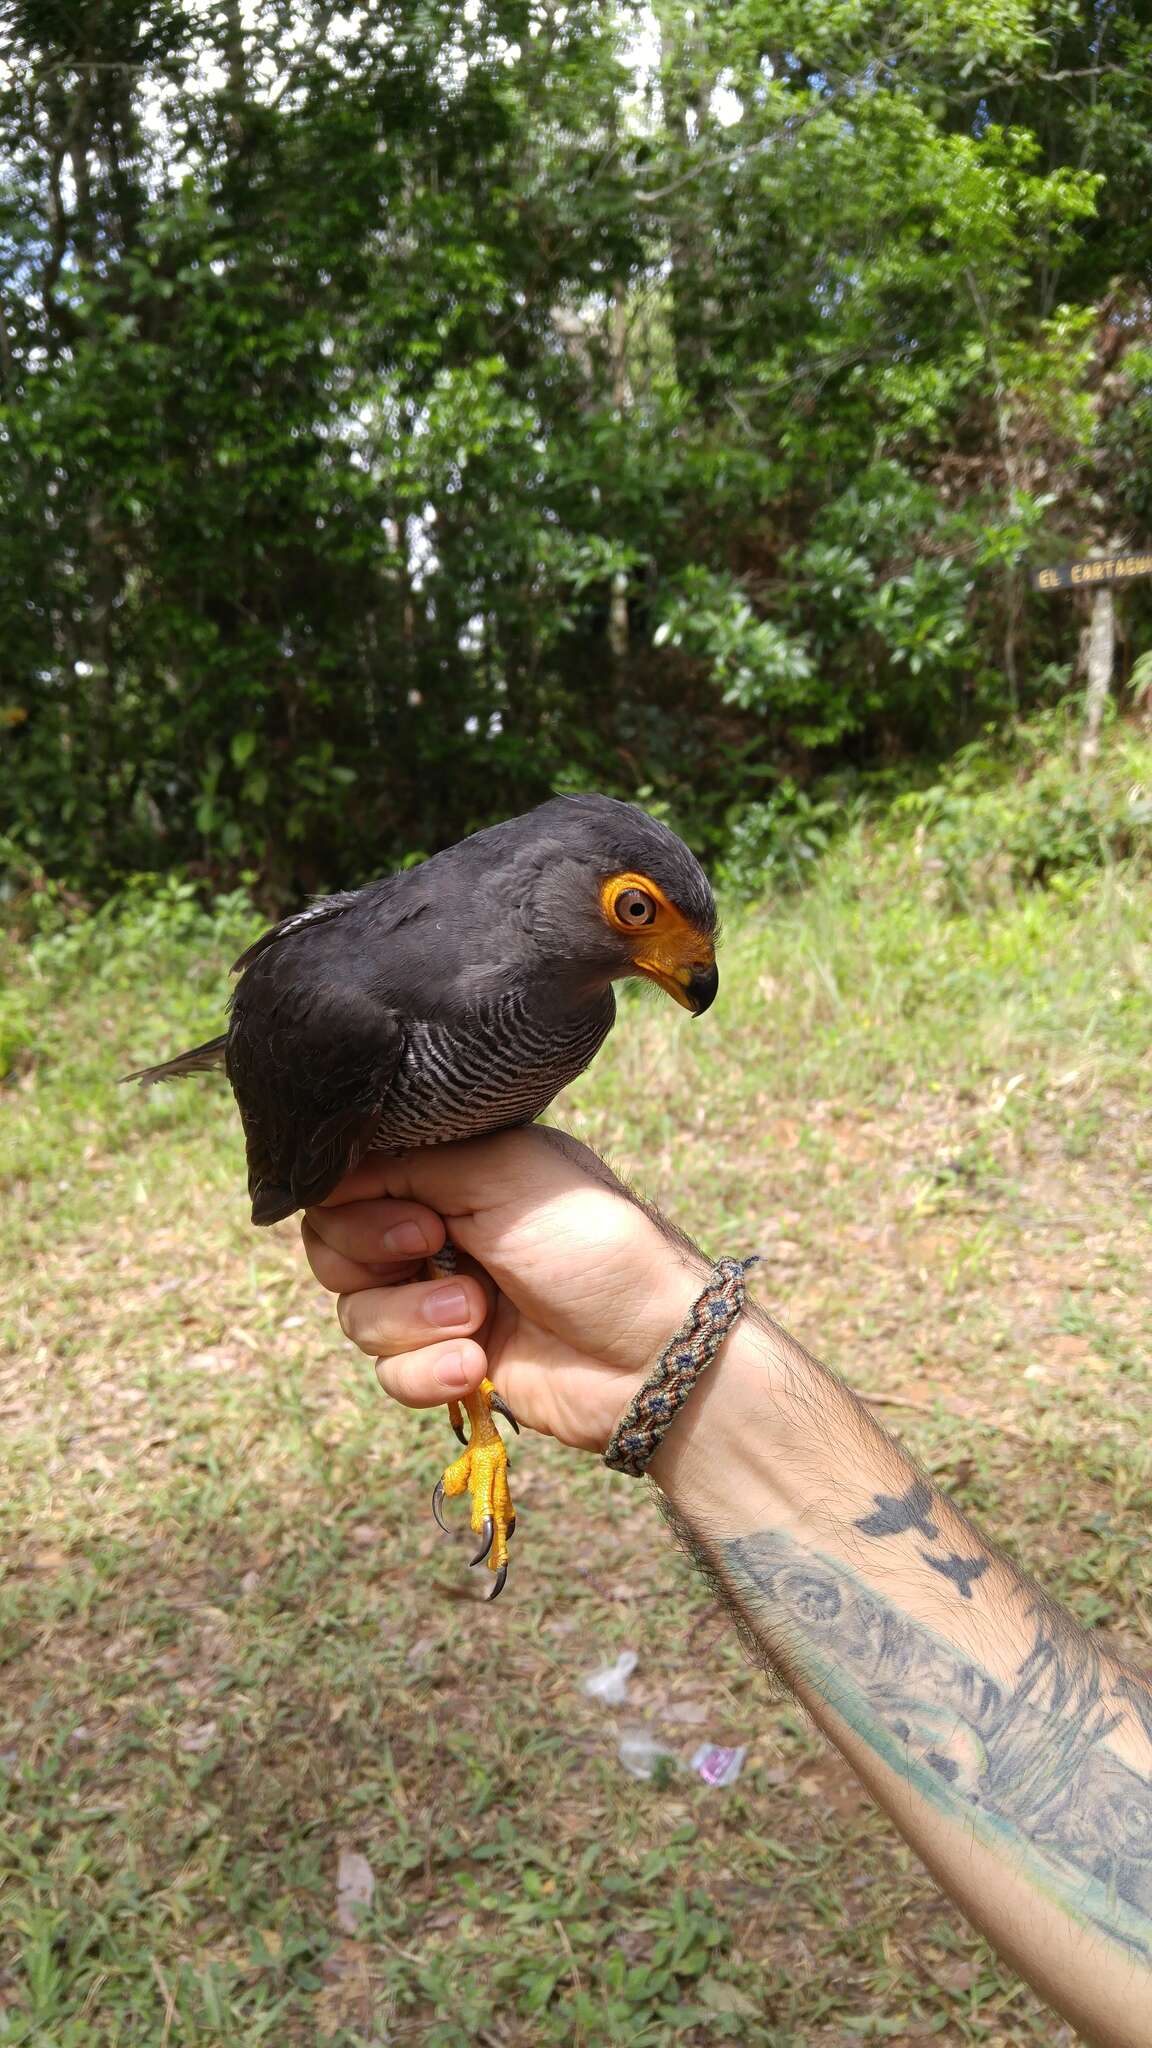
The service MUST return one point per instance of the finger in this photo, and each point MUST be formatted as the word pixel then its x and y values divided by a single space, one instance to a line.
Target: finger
pixel 462 1178
pixel 439 1373
pixel 385 1321
pixel 374 1233
pixel 341 1275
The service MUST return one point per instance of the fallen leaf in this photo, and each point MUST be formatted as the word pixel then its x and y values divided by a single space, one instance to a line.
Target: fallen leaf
pixel 785 1252
pixel 193 1740
pixel 720 1996
pixel 960 1975
pixel 355 1885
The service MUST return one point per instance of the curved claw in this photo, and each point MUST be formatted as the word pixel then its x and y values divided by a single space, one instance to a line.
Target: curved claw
pixel 511 1529
pixel 498 1587
pixel 437 1504
pixel 497 1402
pixel 486 1544
pixel 458 1429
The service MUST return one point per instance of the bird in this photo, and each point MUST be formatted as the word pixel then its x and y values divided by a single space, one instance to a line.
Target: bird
pixel 449 1000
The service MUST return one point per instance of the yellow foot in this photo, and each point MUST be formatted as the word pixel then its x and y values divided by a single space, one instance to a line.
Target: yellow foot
pixel 481 1471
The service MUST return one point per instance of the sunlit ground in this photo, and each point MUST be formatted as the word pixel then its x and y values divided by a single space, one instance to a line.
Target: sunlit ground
pixel 235 1645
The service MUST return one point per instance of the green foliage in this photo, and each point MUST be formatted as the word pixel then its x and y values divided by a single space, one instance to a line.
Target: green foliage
pixel 885 586
pixel 755 664
pixel 998 822
pixel 773 845
pixel 404 412
pixel 17 1032
pixel 154 923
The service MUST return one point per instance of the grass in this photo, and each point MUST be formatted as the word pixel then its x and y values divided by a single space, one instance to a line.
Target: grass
pixel 234 1645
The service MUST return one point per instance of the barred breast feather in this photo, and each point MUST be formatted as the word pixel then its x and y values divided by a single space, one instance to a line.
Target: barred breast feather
pixel 503 1068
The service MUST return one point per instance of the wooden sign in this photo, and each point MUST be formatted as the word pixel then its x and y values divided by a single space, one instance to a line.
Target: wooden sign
pixel 1081 575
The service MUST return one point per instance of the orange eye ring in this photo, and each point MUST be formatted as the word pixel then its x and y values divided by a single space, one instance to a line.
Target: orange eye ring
pixel 633 910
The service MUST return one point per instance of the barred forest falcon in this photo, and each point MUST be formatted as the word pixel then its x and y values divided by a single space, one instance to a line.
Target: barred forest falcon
pixel 450 1000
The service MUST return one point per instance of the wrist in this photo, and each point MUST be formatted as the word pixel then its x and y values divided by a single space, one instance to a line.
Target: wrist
pixel 659 1290
pixel 713 1457
pixel 769 1438
pixel 686 1356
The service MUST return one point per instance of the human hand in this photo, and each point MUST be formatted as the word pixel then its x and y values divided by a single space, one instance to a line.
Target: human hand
pixel 567 1290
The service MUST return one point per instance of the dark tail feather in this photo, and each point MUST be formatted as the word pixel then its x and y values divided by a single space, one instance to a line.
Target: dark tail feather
pixel 271 1204
pixel 201 1059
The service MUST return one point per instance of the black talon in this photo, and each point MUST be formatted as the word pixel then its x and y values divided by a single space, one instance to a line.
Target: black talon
pixel 498 1588
pixel 437 1504
pixel 498 1402
pixel 486 1545
pixel 511 1529
pixel 458 1431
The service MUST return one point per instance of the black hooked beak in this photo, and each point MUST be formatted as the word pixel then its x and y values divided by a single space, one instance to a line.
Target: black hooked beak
pixel 701 988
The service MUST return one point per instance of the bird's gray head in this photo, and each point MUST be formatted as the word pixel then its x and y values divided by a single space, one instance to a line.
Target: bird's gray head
pixel 616 893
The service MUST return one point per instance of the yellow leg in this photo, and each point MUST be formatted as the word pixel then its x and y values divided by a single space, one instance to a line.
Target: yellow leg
pixel 481 1471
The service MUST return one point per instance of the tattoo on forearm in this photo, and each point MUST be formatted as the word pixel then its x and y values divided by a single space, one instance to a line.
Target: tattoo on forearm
pixel 1136 1692
pixel 963 1571
pixel 896 1514
pixel 1026 1766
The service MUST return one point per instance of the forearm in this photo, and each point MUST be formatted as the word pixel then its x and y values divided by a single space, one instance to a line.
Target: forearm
pixel 1014 1758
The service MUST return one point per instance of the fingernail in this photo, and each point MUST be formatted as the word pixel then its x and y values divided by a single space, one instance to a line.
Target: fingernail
pixel 446 1306
pixel 451 1370
pixel 405 1237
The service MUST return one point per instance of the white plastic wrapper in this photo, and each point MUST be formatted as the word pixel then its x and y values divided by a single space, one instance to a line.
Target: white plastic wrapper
pixel 610 1685
pixel 640 1753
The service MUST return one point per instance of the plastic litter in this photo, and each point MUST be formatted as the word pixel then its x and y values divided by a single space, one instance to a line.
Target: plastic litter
pixel 640 1754
pixel 717 1765
pixel 610 1684
pixel 713 1762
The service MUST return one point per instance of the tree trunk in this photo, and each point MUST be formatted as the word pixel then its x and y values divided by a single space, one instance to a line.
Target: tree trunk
pixel 621 399
pixel 1101 655
pixel 685 86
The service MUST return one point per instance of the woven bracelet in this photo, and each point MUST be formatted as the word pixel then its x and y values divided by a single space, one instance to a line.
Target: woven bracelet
pixel 679 1366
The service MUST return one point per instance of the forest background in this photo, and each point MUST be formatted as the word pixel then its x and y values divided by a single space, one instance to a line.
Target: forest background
pixel 407 410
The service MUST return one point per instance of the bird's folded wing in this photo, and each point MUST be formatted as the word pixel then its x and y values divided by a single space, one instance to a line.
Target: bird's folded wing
pixel 311 1071
pixel 322 911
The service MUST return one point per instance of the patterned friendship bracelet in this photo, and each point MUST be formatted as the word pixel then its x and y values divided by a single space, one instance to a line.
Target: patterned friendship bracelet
pixel 679 1366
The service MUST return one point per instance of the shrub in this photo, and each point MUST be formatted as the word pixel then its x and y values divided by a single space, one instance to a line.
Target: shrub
pixel 1027 816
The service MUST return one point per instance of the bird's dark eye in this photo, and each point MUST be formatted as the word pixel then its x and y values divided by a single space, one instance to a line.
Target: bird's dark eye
pixel 634 908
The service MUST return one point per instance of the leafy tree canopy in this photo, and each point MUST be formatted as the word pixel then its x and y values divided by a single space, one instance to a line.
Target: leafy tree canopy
pixel 407 409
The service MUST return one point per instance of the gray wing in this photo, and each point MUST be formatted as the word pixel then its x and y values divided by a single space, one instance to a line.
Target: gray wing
pixel 312 1050
pixel 311 1081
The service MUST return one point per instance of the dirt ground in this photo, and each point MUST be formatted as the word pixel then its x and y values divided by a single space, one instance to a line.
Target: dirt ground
pixel 236 1648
